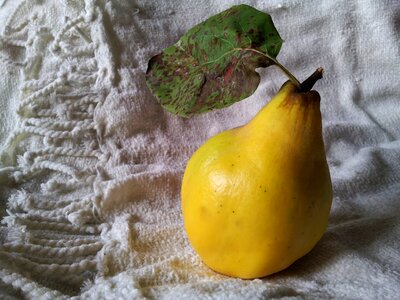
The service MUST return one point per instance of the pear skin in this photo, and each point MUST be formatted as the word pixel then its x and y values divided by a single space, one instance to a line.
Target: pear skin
pixel 256 198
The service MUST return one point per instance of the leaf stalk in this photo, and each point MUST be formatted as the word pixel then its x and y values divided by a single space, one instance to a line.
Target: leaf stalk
pixel 280 66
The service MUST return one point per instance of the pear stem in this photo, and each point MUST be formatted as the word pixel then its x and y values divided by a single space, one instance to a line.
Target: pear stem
pixel 307 84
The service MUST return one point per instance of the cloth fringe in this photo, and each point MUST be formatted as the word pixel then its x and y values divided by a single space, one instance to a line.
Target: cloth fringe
pixel 54 233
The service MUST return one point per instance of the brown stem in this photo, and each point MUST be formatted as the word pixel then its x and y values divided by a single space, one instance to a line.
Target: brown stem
pixel 307 84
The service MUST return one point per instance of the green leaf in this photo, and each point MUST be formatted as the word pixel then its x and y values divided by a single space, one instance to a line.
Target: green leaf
pixel 213 65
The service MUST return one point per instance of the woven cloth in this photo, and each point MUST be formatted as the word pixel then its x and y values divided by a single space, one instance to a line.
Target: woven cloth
pixel 91 165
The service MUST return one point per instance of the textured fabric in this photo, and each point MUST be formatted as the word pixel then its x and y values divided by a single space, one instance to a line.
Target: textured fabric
pixel 91 165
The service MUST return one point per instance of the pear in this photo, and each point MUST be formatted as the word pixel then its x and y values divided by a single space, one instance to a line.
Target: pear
pixel 256 198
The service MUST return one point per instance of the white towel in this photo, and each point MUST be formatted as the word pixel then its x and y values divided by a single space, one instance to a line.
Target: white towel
pixel 91 165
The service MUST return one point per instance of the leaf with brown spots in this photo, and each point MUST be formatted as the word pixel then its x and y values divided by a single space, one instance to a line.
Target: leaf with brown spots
pixel 213 65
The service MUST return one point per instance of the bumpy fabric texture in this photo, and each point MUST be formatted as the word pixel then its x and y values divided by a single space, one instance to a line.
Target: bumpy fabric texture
pixel 91 165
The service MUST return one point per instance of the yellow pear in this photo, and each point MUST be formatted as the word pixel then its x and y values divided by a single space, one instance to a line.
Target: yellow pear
pixel 256 198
